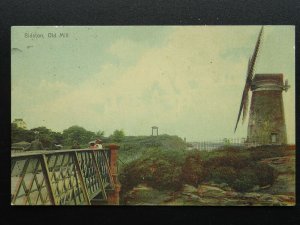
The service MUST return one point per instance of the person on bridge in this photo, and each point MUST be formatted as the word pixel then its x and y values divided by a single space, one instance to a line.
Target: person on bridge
pixel 91 145
pixel 98 144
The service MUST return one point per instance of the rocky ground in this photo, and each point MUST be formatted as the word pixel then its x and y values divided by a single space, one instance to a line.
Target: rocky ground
pixel 281 193
pixel 206 195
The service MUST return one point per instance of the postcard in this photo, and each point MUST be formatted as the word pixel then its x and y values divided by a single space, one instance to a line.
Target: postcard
pixel 153 115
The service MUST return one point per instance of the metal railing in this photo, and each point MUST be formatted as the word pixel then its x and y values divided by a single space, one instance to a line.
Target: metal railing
pixel 232 142
pixel 61 177
pixel 216 144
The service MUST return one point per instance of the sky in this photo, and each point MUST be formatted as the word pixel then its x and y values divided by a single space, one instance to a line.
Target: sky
pixel 187 80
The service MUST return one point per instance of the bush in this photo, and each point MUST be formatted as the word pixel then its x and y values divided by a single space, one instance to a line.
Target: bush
pixel 193 171
pixel 267 151
pixel 266 175
pixel 155 169
pixel 224 174
pixel 165 176
pixel 169 170
pixel 242 184
pixel 239 171
pixel 233 160
pixel 246 180
pixel 130 176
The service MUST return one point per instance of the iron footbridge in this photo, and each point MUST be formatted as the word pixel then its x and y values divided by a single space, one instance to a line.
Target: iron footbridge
pixel 65 177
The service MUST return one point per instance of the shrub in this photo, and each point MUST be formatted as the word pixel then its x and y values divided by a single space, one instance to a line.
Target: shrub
pixel 266 175
pixel 223 174
pixel 242 184
pixel 229 160
pixel 155 169
pixel 130 176
pixel 169 170
pixel 246 180
pixel 165 176
pixel 267 151
pixel 193 171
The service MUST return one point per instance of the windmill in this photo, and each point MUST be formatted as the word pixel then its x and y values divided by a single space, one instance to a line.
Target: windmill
pixel 266 118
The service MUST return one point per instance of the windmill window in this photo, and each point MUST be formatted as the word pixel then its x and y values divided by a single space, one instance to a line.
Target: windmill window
pixel 274 137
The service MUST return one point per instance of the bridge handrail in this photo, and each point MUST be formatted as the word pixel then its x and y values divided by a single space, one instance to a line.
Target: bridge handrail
pixel 66 176
pixel 47 152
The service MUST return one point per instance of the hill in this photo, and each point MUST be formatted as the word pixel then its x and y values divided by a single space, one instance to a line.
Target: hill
pixel 133 147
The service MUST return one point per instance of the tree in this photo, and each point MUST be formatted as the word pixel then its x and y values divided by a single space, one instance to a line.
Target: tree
pixel 45 136
pixel 57 137
pixel 99 134
pixel 78 134
pixel 19 134
pixel 117 136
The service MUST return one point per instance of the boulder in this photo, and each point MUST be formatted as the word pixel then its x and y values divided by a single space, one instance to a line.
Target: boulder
pixel 210 191
pixel 189 189
pixel 252 195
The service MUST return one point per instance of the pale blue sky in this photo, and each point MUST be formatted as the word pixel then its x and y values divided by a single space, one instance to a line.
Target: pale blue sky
pixel 188 80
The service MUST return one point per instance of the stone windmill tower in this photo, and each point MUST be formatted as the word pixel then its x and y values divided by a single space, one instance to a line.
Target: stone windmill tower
pixel 266 120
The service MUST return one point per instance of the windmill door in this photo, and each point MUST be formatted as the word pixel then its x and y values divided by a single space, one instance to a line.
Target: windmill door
pixel 274 138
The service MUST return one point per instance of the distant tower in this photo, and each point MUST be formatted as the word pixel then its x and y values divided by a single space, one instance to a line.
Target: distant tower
pixel 155 128
pixel 266 119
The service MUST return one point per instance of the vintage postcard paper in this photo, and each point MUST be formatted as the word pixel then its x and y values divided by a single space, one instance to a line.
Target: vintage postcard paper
pixel 153 115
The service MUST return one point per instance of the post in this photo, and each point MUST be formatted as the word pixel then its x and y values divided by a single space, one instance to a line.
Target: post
pixel 46 173
pixel 113 196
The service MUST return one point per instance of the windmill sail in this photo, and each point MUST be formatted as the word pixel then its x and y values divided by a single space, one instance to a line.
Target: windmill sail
pixel 245 99
pixel 251 64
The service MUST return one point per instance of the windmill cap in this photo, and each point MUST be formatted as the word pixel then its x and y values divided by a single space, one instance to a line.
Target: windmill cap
pixel 273 78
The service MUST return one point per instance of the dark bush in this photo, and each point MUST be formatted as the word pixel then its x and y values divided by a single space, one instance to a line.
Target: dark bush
pixel 193 171
pixel 229 160
pixel 130 176
pixel 265 174
pixel 155 169
pixel 267 151
pixel 224 174
pixel 246 180
pixel 243 184
pixel 169 170
pixel 165 176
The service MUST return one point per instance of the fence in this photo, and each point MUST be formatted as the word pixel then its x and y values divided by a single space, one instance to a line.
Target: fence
pixel 232 142
pixel 216 144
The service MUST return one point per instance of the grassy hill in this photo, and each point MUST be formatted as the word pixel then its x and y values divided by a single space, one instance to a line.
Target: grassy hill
pixel 133 147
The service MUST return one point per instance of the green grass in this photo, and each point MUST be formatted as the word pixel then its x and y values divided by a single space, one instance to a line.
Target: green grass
pixel 134 147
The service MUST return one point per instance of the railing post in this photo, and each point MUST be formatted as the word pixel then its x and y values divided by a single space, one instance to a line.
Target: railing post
pixel 81 178
pixel 113 197
pixel 46 173
pixel 98 173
